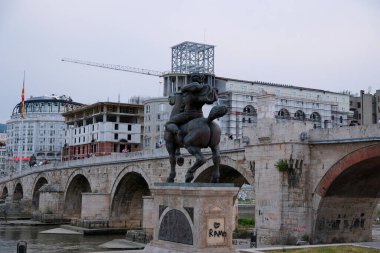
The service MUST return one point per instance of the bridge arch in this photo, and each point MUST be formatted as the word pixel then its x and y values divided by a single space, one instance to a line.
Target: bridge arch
pixel 127 197
pixel 18 192
pixel 230 171
pixel 4 193
pixel 76 185
pixel 346 198
pixel 38 183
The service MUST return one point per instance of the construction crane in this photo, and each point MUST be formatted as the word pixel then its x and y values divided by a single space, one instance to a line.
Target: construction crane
pixel 117 67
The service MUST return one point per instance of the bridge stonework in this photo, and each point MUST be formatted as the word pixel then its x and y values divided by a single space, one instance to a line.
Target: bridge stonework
pixel 328 194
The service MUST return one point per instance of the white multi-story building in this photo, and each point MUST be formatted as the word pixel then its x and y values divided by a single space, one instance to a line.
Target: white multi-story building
pixel 324 108
pixel 156 114
pixel 41 131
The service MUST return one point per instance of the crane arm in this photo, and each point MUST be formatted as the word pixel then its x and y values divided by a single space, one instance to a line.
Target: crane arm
pixel 116 67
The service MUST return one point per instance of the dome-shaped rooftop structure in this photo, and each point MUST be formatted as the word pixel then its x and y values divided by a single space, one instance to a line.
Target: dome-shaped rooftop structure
pixel 46 104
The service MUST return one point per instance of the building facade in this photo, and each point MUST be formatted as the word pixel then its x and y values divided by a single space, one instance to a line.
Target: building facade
pixel 365 108
pixel 41 131
pixel 156 114
pixel 3 156
pixel 324 108
pixel 103 128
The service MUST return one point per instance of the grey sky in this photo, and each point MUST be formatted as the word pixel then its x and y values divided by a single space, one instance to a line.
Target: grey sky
pixel 333 45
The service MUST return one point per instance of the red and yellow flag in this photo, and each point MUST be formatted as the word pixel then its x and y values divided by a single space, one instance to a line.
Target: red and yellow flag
pixel 22 106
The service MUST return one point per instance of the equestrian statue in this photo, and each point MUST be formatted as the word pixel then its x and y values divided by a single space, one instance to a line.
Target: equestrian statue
pixel 189 129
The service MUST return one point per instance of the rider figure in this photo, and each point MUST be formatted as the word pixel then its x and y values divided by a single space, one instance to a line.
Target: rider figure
pixel 194 96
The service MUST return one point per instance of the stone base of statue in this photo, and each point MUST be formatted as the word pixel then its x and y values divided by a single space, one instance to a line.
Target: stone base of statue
pixel 192 217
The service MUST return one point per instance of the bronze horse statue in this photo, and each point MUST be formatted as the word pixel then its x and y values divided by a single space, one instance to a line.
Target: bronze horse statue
pixel 189 129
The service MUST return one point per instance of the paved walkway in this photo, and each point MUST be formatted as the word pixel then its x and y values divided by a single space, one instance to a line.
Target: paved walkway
pixel 375 245
pixel 122 251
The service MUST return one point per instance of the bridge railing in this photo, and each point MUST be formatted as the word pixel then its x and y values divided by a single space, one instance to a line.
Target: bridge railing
pixel 226 144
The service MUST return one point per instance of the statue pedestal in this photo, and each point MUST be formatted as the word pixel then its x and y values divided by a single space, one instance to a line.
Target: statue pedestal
pixel 192 217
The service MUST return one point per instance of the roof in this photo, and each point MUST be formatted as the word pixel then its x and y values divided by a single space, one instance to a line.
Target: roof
pixel 86 107
pixel 276 85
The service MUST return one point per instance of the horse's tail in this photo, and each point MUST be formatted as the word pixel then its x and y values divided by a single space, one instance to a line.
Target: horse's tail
pixel 217 112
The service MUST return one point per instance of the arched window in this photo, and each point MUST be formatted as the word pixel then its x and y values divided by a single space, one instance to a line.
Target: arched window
pixel 315 117
pixel 300 115
pixel 283 114
pixel 249 115
pixel 249 110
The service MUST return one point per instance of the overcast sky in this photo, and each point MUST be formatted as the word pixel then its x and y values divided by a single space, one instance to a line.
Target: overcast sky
pixel 332 44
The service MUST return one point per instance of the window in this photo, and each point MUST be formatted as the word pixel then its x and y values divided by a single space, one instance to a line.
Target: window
pixel 129 127
pixel 147 109
pixel 284 114
pixel 116 126
pixel 129 137
pixel 147 142
pixel 299 115
pixel 359 105
pixel 157 128
pixel 116 136
pixel 162 107
pixel 158 116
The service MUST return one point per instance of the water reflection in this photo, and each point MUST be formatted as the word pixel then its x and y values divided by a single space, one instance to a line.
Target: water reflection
pixel 49 243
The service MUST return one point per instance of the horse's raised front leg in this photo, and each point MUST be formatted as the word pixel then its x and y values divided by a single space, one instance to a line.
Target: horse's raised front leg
pixel 216 160
pixel 200 160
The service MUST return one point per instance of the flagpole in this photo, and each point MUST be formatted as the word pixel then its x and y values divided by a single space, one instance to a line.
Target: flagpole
pixel 22 108
pixel 20 143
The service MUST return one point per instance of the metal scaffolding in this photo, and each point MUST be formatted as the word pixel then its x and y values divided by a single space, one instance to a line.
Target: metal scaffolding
pixel 189 57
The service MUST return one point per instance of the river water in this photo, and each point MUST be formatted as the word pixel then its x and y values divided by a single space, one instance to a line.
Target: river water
pixel 49 243
pixel 58 243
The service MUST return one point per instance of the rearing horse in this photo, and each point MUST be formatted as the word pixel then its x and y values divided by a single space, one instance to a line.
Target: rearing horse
pixel 195 134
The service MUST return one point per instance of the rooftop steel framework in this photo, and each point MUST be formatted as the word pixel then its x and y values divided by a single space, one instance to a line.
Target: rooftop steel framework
pixel 189 57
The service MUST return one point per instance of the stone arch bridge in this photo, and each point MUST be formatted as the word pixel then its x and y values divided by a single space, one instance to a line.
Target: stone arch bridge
pixel 329 191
